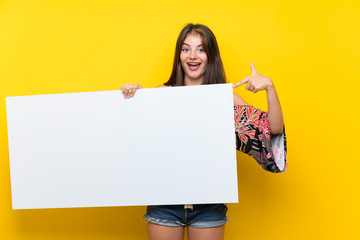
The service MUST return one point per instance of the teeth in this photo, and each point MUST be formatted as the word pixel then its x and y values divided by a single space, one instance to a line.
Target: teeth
pixel 194 64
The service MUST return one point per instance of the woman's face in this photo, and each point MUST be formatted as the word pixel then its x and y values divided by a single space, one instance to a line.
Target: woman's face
pixel 193 59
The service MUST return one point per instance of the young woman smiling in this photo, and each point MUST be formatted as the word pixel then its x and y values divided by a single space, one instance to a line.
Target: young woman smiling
pixel 197 61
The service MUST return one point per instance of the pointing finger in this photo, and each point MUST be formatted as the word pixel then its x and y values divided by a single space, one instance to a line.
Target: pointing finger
pixel 253 70
pixel 245 80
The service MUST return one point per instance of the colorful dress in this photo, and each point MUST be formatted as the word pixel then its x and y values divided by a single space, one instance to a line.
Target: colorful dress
pixel 253 137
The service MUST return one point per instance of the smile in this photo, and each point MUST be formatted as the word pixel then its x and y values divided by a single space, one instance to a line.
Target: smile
pixel 194 66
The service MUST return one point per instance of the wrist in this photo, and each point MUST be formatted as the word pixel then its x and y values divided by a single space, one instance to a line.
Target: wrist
pixel 270 86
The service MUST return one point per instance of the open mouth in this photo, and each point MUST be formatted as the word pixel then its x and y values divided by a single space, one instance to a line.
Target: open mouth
pixel 194 66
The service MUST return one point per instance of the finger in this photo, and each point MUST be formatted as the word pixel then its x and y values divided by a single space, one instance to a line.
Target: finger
pixel 245 80
pixel 133 87
pixel 131 90
pixel 139 86
pixel 125 91
pixel 123 88
pixel 248 86
pixel 253 70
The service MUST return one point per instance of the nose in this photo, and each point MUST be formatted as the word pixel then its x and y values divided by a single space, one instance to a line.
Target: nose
pixel 193 55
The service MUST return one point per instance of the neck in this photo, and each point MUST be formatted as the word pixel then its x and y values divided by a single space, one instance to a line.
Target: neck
pixel 192 82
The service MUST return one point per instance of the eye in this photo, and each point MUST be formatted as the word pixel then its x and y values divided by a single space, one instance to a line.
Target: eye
pixel 201 50
pixel 185 50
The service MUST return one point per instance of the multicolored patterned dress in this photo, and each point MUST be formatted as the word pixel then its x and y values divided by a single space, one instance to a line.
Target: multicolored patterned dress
pixel 253 138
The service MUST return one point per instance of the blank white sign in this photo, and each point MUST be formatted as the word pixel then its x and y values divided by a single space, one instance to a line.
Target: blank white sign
pixel 163 146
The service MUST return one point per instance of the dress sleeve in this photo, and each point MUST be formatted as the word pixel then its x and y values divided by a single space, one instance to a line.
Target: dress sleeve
pixel 253 137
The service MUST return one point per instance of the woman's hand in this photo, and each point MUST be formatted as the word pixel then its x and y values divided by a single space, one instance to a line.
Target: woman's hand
pixel 129 89
pixel 255 82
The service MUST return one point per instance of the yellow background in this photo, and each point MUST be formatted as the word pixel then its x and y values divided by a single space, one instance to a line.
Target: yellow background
pixel 311 50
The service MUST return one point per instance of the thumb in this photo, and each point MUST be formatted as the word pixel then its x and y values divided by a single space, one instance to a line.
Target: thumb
pixel 253 70
pixel 139 86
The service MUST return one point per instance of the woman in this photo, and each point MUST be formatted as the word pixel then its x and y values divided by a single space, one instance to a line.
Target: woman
pixel 197 61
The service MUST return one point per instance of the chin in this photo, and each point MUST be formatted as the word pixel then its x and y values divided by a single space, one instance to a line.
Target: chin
pixel 195 76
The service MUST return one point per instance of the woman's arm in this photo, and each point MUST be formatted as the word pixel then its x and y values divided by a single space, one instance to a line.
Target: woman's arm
pixel 239 100
pixel 257 82
pixel 275 115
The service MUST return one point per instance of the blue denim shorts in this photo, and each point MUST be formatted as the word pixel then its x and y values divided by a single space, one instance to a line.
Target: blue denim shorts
pixel 201 216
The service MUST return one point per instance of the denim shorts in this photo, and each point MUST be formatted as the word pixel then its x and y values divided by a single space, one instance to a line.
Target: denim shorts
pixel 201 216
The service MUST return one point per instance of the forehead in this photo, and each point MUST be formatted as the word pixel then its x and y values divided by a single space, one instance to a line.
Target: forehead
pixel 193 39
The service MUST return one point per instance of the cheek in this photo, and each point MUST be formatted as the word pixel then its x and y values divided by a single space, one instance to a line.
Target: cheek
pixel 204 68
pixel 182 57
pixel 204 60
pixel 183 60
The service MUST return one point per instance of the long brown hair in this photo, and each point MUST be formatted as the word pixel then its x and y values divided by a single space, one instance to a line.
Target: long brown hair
pixel 214 72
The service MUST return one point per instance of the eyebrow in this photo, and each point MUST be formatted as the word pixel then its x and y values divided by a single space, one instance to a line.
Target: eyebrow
pixel 189 45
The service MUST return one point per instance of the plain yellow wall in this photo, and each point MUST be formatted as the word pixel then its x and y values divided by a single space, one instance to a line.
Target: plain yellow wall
pixel 311 50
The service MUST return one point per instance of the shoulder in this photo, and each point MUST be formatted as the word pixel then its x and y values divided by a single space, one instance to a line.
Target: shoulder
pixel 239 100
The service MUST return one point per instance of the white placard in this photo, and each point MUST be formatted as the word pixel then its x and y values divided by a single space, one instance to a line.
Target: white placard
pixel 164 146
